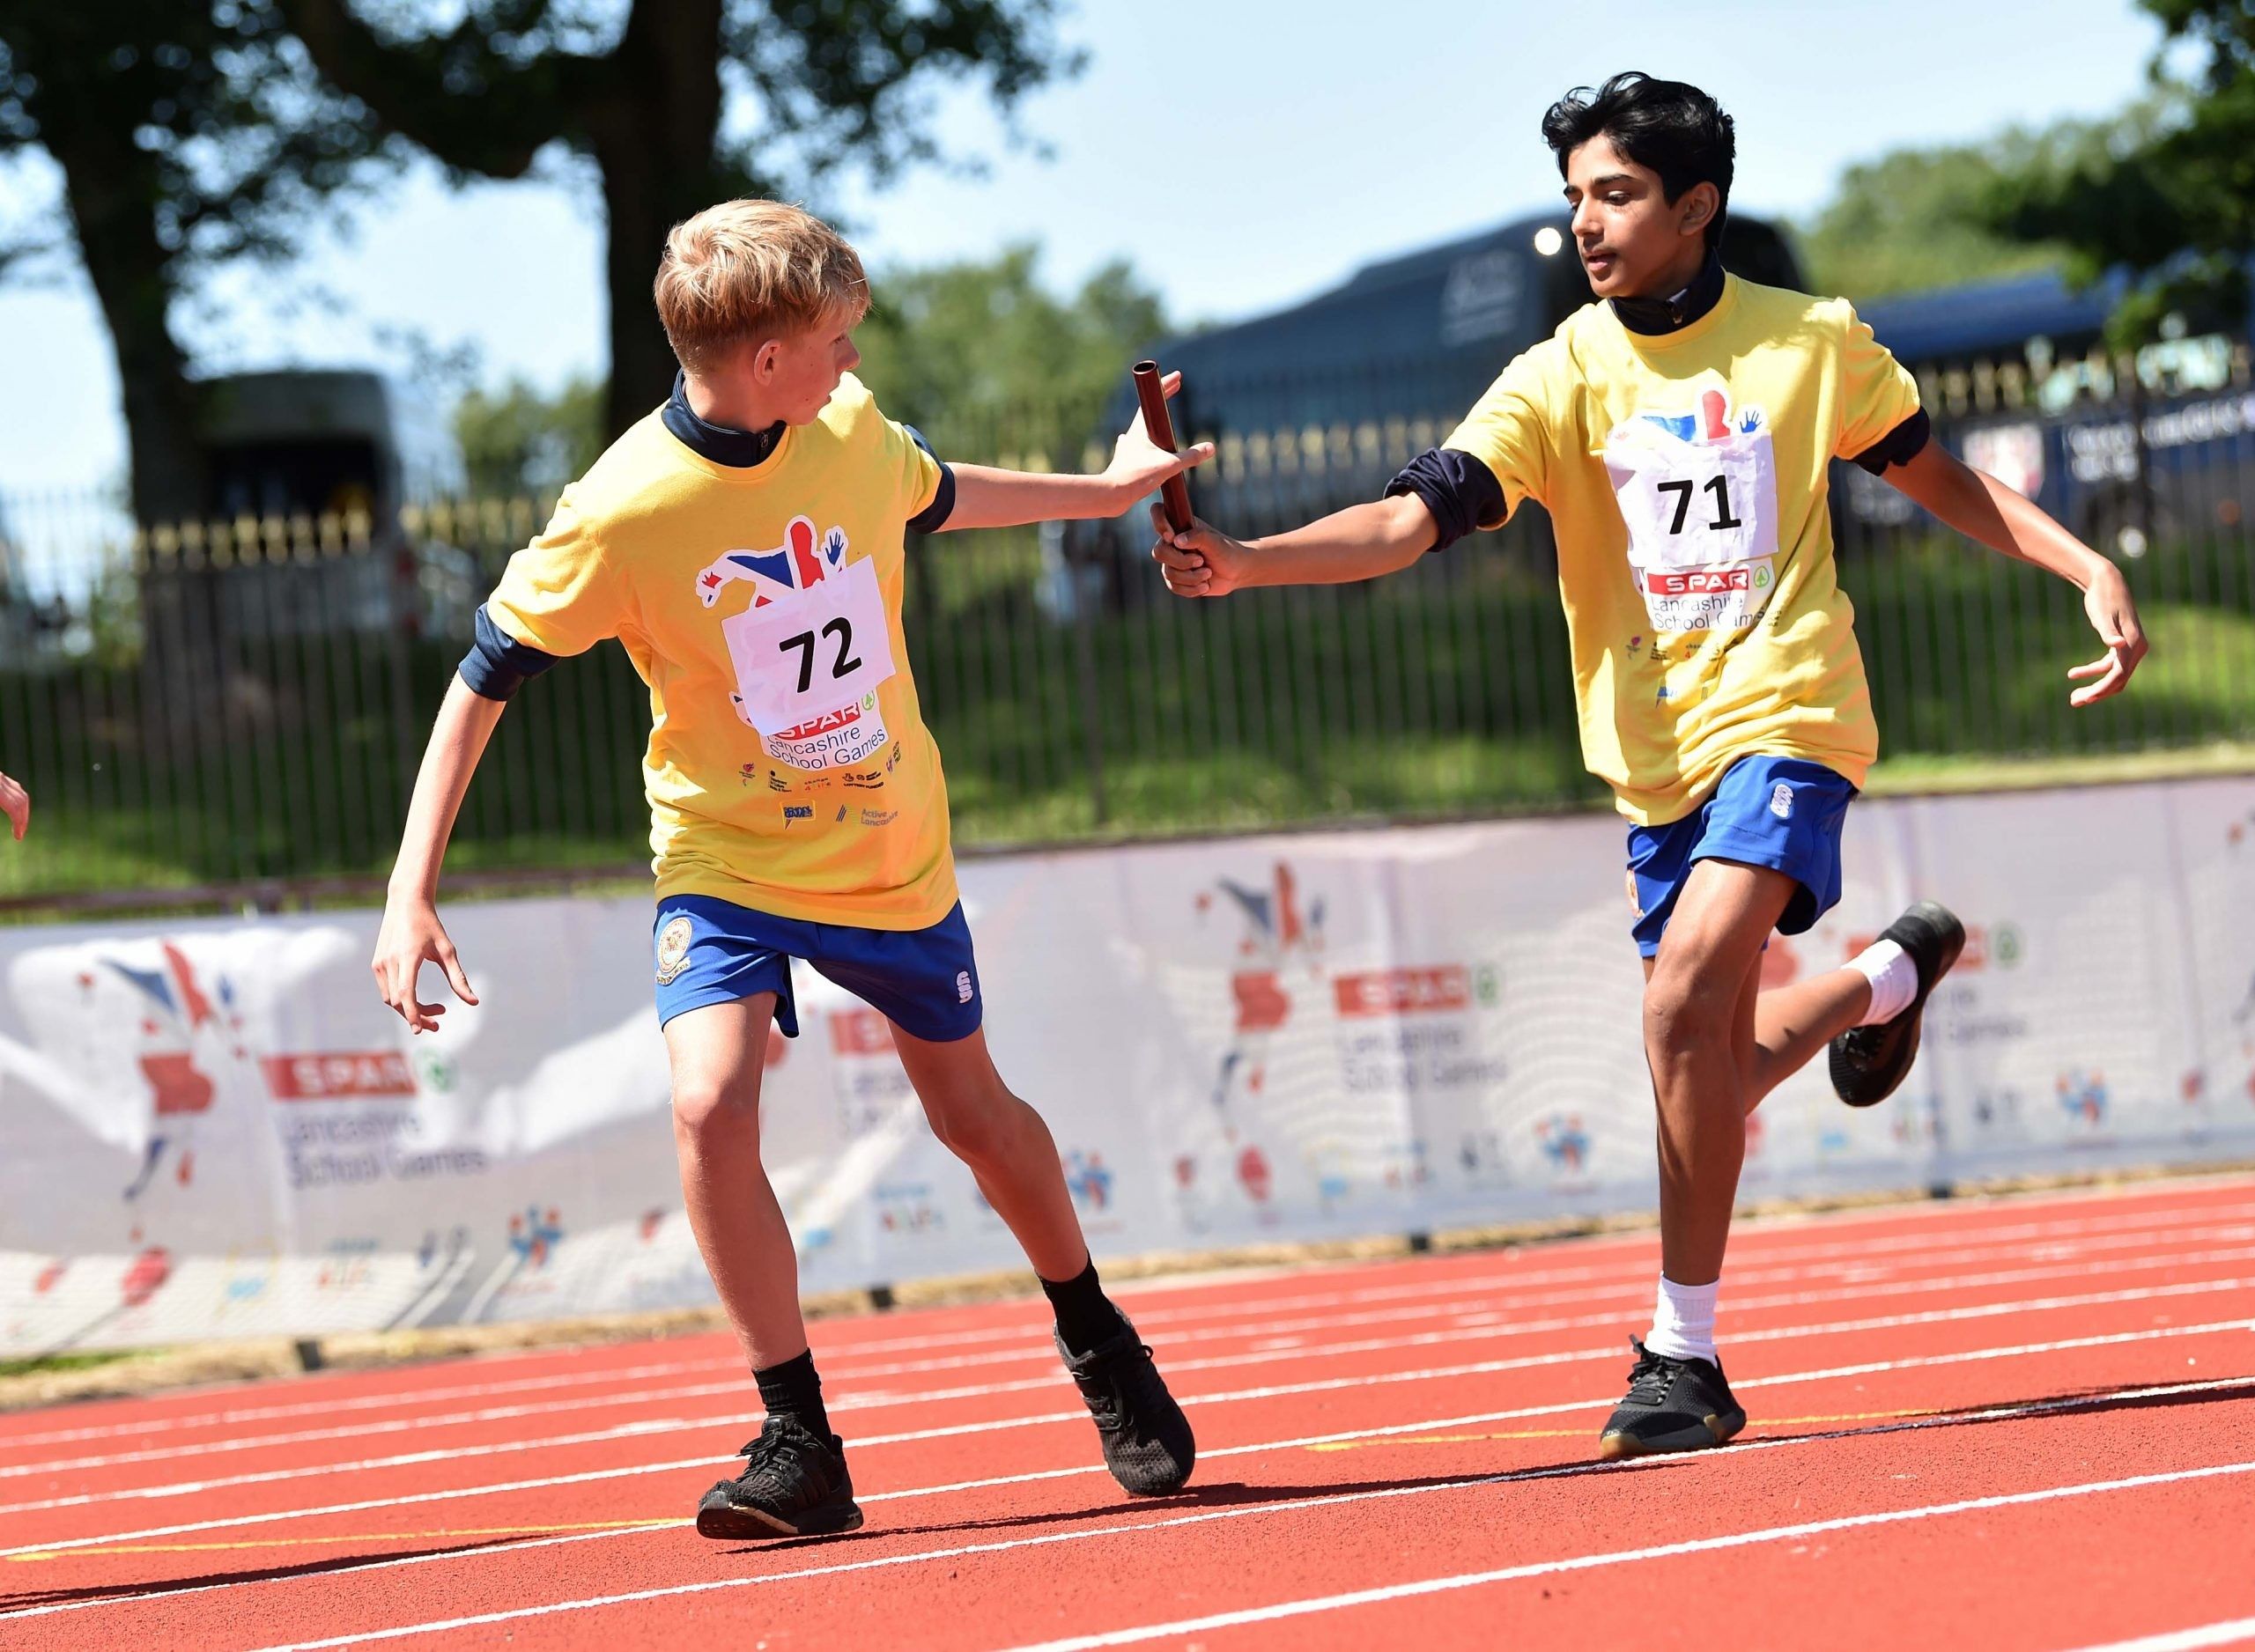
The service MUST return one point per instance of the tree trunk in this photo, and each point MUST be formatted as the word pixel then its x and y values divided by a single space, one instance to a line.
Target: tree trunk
pixel 187 667
pixel 112 191
pixel 653 136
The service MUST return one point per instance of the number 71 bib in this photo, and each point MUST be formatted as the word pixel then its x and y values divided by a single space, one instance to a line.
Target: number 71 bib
pixel 1698 493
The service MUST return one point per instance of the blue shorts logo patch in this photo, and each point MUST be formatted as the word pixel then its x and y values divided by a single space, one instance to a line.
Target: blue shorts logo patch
pixel 673 951
pixel 1781 801
pixel 962 986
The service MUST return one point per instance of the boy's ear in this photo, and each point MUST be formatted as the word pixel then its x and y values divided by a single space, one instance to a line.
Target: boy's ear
pixel 1698 206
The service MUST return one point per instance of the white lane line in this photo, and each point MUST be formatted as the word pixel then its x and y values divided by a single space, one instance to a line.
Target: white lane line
pixel 1283 1391
pixel 1501 1575
pixel 1483 1329
pixel 2234 1633
pixel 1291 1609
pixel 1604 1277
pixel 1689 1460
pixel 676 1425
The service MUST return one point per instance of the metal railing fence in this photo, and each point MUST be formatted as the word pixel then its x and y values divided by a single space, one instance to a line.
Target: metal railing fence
pixel 220 704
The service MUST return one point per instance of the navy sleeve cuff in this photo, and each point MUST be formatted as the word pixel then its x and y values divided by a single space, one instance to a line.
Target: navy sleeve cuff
pixel 496 663
pixel 1459 492
pixel 1900 446
pixel 934 516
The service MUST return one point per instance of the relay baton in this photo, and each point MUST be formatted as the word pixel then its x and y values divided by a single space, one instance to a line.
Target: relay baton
pixel 1174 495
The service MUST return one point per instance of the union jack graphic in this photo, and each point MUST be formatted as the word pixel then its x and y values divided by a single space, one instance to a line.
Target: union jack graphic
pixel 1711 424
pixel 795 565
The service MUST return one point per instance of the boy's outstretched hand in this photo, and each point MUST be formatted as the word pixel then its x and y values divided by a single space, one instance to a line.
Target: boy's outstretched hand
pixel 1140 464
pixel 1201 561
pixel 16 804
pixel 2114 616
pixel 411 937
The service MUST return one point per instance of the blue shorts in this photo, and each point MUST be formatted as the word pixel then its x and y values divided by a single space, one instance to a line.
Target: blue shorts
pixel 924 981
pixel 1784 812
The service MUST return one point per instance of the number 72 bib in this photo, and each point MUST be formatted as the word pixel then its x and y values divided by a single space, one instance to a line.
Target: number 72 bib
pixel 1700 496
pixel 805 658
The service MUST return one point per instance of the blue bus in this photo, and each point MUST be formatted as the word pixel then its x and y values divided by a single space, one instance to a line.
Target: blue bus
pixel 2017 375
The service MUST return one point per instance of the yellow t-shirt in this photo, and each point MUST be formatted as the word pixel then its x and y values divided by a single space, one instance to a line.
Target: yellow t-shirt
pixel 1685 476
pixel 788 768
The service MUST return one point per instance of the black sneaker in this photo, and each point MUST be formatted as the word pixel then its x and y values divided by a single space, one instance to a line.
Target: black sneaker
pixel 1672 1406
pixel 1147 1441
pixel 794 1485
pixel 1868 1062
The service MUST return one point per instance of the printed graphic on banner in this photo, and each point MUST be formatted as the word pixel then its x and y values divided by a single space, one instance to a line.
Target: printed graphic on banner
pixel 1388 1040
pixel 1697 488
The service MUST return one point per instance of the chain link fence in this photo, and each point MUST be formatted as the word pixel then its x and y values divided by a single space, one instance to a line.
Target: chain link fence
pixel 219 706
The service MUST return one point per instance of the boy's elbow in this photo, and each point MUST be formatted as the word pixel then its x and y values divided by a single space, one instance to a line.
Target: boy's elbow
pixel 1410 529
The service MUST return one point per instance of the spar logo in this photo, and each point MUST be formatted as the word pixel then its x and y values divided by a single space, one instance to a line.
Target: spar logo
pixel 1706 581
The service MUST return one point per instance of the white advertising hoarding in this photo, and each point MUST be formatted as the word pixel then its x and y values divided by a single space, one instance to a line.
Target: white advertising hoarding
pixel 213 1128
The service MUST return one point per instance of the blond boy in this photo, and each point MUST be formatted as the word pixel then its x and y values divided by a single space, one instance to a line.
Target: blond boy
pixel 743 542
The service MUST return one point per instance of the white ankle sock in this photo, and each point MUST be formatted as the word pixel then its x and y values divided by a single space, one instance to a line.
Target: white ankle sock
pixel 1894 980
pixel 1683 1320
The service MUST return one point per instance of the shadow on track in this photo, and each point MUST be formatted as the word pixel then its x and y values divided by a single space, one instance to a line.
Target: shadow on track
pixel 17 1600
pixel 1228 1495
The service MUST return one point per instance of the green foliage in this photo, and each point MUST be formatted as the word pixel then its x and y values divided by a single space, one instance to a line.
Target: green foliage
pixel 2171 200
pixel 677 103
pixel 519 441
pixel 1925 217
pixel 1909 221
pixel 186 136
pixel 968 348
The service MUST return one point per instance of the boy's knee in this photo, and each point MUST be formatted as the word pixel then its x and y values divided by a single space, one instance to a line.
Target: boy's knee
pixel 703 1110
pixel 1684 1008
pixel 985 1130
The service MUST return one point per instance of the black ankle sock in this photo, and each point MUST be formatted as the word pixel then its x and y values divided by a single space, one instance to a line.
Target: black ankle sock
pixel 1085 1316
pixel 792 1389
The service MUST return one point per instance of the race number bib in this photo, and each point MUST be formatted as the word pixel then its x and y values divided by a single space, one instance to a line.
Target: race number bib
pixel 803 658
pixel 1699 495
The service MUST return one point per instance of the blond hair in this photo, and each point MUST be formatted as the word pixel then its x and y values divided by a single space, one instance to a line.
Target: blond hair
pixel 750 271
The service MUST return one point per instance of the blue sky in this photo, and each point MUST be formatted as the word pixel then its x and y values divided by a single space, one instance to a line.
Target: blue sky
pixel 1297 141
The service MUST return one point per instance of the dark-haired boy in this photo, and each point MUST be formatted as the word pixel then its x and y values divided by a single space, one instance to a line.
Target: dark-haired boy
pixel 1679 434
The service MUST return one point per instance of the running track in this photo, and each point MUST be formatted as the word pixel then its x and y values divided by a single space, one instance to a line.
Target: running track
pixel 2025 1423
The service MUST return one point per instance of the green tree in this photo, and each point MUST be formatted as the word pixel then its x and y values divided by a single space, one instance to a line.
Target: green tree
pixel 517 440
pixel 1925 216
pixel 981 354
pixel 677 103
pixel 1909 220
pixel 186 136
pixel 2171 199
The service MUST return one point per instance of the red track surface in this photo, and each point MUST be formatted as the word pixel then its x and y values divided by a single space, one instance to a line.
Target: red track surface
pixel 2018 1424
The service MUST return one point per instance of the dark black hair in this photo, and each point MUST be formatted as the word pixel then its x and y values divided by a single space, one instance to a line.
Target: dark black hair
pixel 1665 126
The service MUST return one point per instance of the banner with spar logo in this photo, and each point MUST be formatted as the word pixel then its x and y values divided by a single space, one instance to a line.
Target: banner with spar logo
pixel 213 1128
